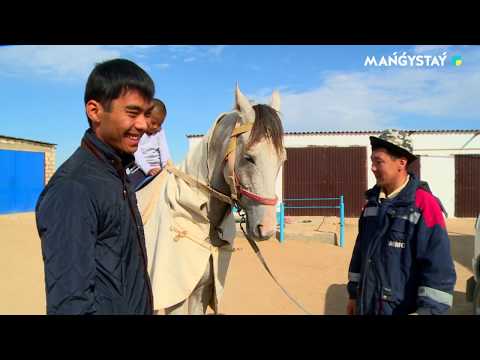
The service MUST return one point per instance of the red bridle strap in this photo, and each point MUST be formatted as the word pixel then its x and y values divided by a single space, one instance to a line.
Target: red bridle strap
pixel 257 198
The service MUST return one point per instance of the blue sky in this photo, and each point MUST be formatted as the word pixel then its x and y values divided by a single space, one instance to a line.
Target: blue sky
pixel 322 88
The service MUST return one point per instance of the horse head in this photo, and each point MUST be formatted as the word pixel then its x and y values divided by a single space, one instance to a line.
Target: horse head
pixel 252 153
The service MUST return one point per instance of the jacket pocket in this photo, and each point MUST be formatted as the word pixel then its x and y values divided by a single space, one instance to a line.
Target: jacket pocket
pixel 397 236
pixel 388 302
pixel 398 229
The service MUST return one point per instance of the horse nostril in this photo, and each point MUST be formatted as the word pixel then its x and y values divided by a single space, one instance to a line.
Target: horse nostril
pixel 262 234
pixel 259 228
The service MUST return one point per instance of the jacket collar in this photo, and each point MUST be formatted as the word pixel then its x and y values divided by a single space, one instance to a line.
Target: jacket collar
pixel 393 194
pixel 407 195
pixel 110 154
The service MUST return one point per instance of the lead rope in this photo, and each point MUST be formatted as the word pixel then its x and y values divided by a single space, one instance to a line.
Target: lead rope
pixel 256 249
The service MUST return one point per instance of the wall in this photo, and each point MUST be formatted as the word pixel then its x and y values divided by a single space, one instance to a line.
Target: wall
pixel 437 151
pixel 438 161
pixel 49 150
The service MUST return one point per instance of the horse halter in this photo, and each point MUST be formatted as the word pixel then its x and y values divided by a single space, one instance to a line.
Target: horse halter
pixel 232 179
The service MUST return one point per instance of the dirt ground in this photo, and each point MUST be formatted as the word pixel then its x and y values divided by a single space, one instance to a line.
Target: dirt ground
pixel 313 271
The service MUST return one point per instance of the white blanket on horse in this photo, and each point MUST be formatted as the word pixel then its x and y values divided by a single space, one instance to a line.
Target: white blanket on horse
pixel 176 228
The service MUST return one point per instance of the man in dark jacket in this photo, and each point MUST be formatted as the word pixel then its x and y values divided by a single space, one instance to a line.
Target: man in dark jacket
pixel 401 262
pixel 93 243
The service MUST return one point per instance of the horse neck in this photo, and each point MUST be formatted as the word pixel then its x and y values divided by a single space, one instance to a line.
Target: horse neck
pixel 218 139
pixel 210 171
pixel 205 162
pixel 195 163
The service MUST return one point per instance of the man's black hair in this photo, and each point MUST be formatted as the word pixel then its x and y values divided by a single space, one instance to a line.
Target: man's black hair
pixel 394 153
pixel 110 79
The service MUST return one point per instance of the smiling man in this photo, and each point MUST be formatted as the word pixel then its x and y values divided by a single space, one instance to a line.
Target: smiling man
pixel 401 262
pixel 93 243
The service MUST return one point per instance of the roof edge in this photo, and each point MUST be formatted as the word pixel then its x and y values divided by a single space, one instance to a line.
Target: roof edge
pixel 27 140
pixel 366 132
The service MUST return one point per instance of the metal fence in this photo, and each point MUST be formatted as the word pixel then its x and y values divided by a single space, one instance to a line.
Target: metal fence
pixel 340 206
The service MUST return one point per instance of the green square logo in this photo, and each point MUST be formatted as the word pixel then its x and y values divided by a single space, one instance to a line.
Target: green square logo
pixel 457 60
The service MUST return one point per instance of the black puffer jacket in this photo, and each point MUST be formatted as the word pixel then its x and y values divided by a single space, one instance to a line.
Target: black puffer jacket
pixel 93 251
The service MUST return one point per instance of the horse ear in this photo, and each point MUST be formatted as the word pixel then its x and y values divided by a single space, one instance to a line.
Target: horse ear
pixel 243 105
pixel 275 102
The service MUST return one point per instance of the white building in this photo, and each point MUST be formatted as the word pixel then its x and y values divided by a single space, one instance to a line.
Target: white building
pixel 329 164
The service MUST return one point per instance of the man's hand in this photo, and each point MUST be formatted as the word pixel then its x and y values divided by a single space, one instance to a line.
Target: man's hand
pixel 351 306
pixel 154 171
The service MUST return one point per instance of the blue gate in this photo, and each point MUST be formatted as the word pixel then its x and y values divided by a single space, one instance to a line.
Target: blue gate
pixel 21 180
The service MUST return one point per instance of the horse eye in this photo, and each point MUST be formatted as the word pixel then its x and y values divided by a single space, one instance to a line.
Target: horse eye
pixel 249 159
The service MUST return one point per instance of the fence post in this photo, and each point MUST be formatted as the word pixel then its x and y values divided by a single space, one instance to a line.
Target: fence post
pixel 282 222
pixel 342 222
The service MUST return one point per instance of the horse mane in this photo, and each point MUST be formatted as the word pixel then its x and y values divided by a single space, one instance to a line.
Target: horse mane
pixel 267 125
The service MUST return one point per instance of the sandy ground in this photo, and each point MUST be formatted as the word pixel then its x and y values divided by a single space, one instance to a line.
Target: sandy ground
pixel 313 271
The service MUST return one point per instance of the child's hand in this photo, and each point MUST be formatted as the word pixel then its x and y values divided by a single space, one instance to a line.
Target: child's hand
pixel 154 171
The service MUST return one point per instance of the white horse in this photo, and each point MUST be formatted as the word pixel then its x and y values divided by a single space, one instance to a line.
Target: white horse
pixel 187 212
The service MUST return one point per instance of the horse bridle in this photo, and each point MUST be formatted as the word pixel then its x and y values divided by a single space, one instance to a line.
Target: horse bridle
pixel 233 181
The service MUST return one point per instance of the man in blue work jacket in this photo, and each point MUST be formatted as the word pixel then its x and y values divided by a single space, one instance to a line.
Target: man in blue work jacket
pixel 401 262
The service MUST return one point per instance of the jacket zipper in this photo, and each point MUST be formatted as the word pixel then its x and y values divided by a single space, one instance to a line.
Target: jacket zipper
pixel 90 147
pixel 367 267
pixel 142 249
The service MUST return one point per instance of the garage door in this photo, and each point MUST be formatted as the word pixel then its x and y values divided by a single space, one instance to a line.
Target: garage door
pixel 21 180
pixel 325 172
pixel 467 189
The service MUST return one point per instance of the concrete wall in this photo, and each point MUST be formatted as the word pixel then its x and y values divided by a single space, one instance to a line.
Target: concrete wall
pixel 21 145
pixel 440 175
pixel 436 149
pixel 437 153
